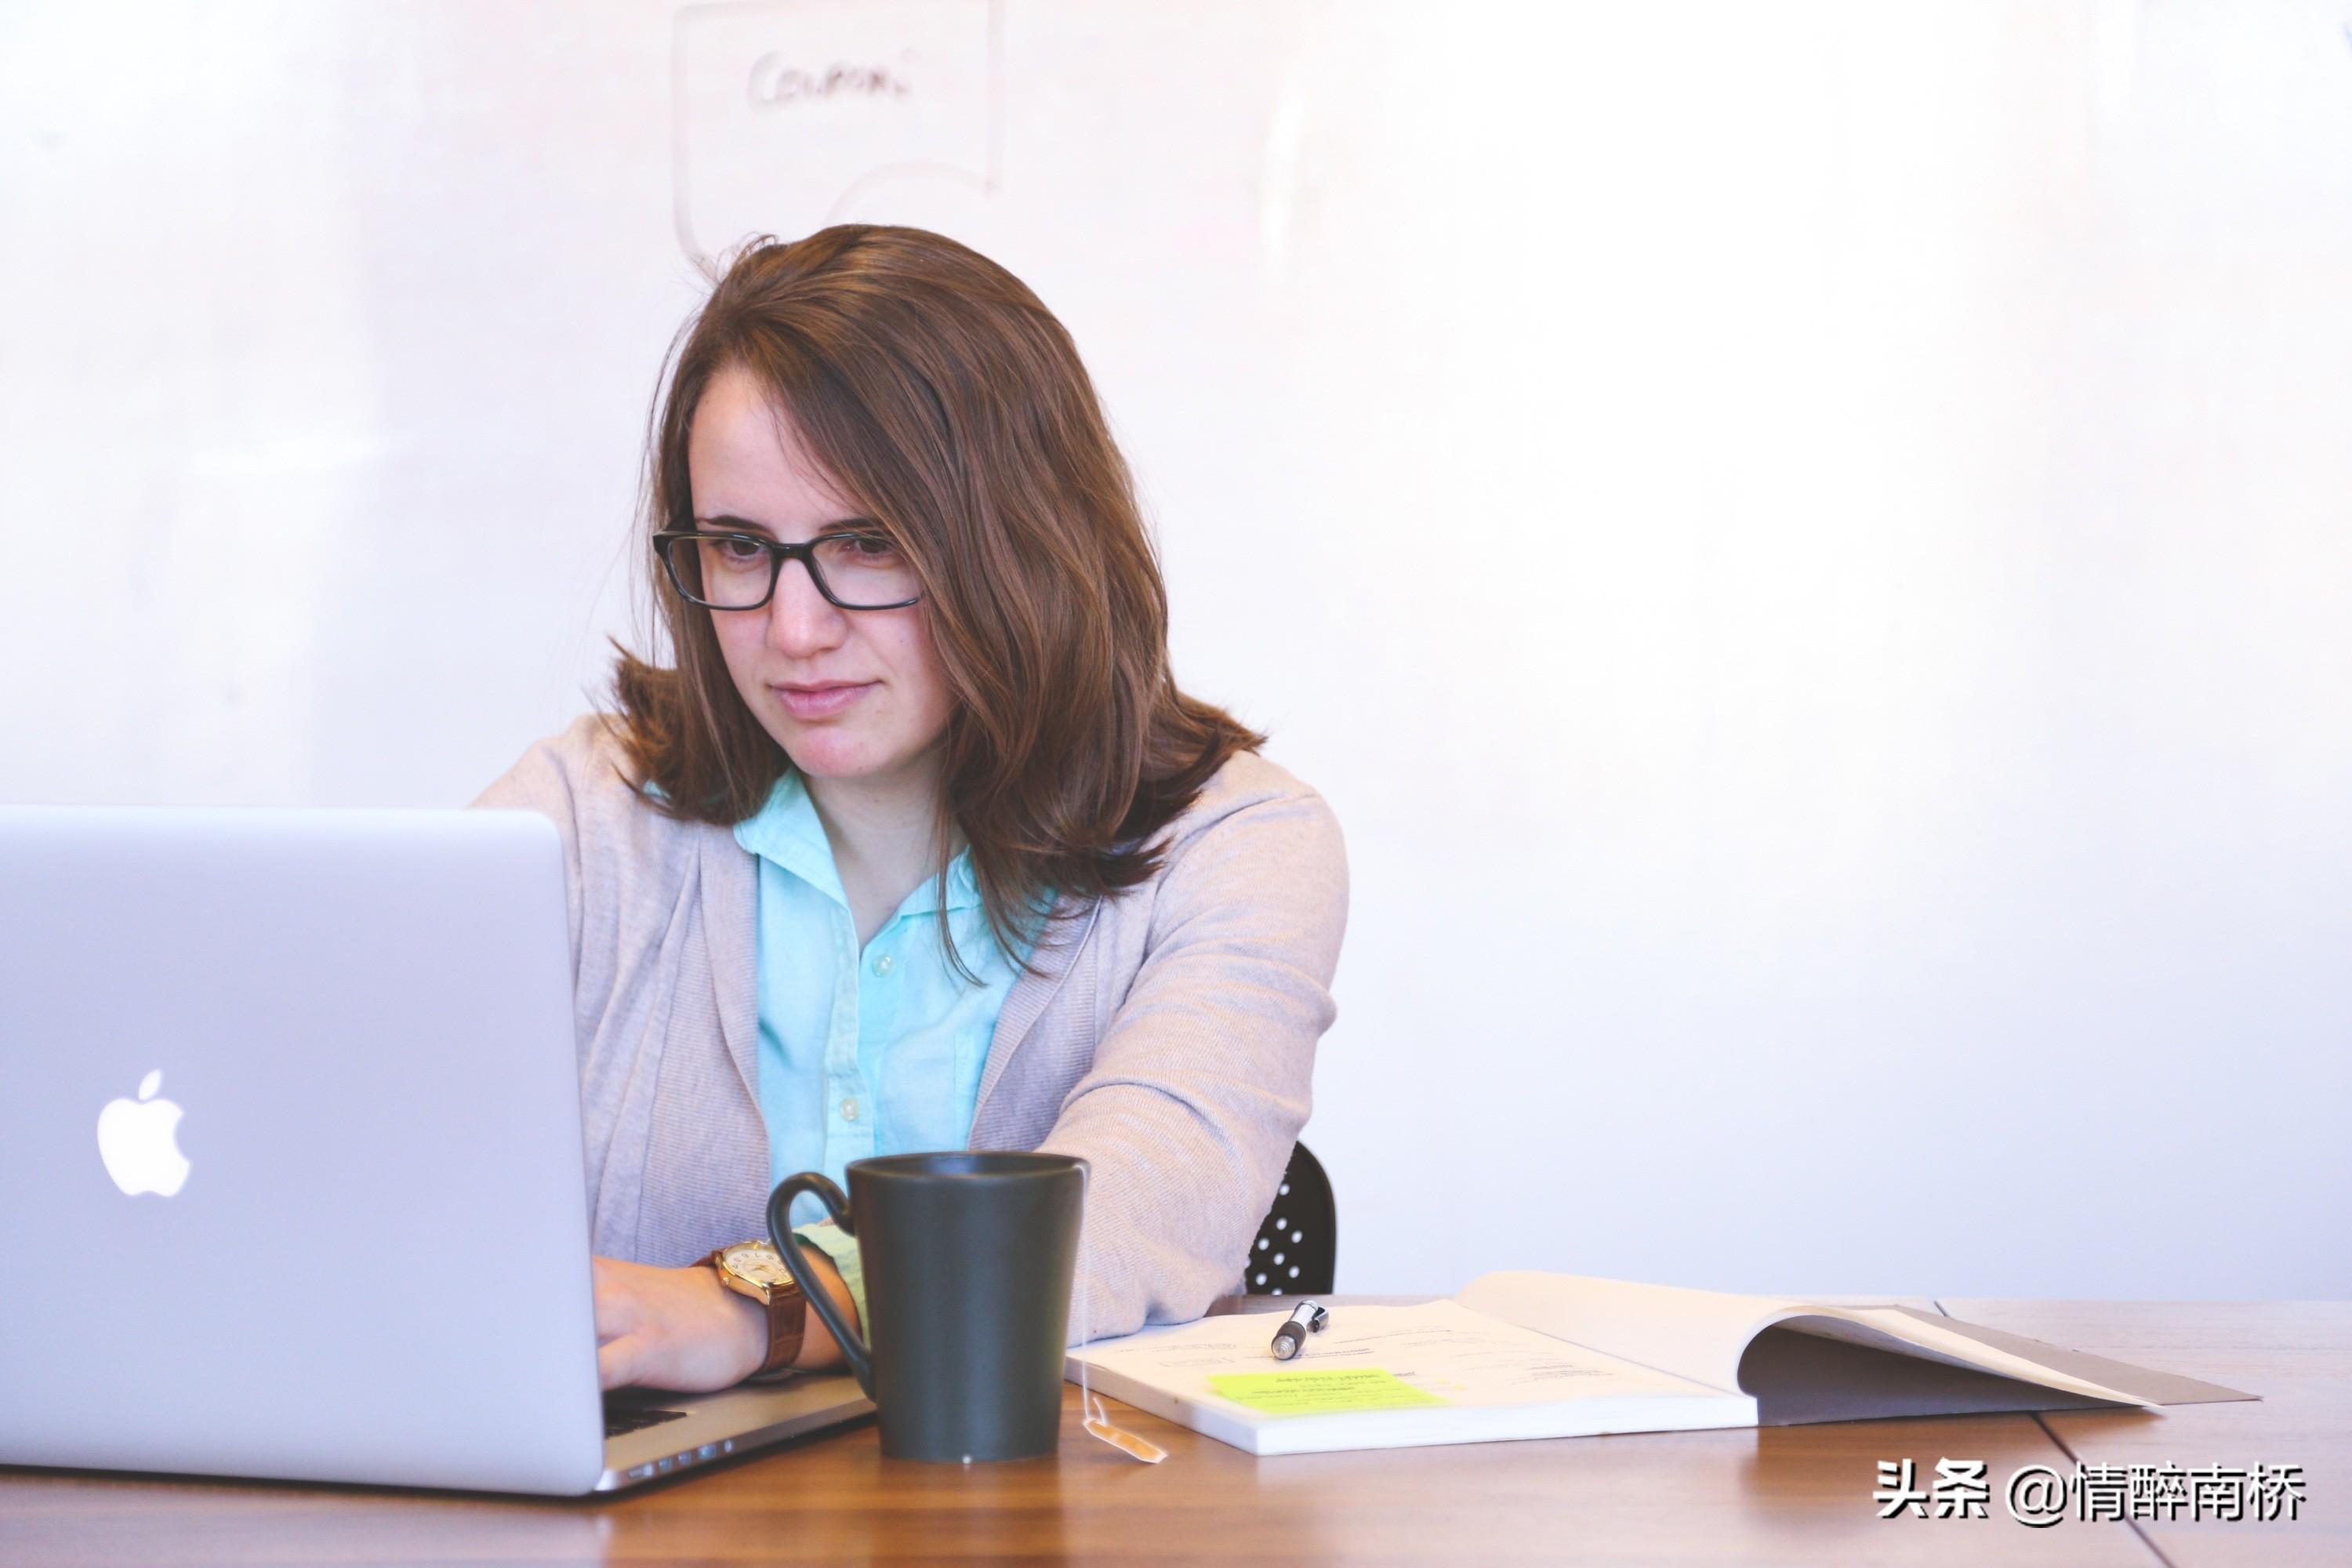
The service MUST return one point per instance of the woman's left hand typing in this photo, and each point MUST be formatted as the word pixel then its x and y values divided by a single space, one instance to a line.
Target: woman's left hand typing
pixel 678 1329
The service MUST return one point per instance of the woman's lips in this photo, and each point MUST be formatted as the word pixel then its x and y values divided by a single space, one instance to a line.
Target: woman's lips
pixel 821 701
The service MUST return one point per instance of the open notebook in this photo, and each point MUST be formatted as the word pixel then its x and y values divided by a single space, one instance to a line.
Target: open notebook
pixel 1558 1355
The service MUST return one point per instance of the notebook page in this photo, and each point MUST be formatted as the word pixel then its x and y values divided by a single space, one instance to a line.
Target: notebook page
pixel 1703 1334
pixel 1916 1335
pixel 1695 1334
pixel 1442 1348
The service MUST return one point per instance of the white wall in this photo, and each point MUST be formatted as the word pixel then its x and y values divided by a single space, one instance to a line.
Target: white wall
pixel 1806 546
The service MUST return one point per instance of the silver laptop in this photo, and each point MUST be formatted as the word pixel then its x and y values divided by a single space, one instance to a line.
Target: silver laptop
pixel 291 1160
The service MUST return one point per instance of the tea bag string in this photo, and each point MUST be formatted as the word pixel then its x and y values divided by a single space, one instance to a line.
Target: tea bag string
pixel 1096 1419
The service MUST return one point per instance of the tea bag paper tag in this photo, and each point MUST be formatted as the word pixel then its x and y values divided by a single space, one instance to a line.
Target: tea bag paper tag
pixel 1098 1423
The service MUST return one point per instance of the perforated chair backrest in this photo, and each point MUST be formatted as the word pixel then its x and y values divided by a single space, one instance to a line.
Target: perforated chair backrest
pixel 1297 1248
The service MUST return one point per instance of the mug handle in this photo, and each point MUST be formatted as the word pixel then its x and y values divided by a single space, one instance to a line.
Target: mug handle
pixel 788 1247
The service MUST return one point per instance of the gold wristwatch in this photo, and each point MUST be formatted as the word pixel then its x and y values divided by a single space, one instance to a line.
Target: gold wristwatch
pixel 752 1268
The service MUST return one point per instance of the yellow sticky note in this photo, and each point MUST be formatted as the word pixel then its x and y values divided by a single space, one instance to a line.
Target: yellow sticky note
pixel 1318 1392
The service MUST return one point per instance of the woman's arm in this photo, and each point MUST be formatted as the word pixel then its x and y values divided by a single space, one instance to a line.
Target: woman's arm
pixel 1201 1080
pixel 657 1327
pixel 680 1329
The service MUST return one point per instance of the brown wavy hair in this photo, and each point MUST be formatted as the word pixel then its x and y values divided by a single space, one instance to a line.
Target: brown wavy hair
pixel 947 403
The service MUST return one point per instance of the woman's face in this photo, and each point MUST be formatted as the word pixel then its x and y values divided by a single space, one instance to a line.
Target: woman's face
pixel 849 694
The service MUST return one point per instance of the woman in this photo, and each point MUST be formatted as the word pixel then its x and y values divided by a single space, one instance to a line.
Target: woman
pixel 916 844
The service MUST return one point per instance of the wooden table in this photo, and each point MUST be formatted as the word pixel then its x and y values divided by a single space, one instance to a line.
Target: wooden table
pixel 1798 1495
pixel 2296 1354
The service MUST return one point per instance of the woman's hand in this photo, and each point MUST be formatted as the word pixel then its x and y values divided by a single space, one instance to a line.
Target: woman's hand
pixel 681 1329
pixel 678 1329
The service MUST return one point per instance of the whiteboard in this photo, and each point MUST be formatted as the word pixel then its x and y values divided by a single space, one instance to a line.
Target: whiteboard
pixel 1805 545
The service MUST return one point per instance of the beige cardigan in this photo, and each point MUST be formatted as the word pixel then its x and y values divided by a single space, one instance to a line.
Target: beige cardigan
pixel 1168 1036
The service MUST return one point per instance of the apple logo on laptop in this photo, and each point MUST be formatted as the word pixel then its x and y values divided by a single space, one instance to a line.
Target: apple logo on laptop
pixel 140 1141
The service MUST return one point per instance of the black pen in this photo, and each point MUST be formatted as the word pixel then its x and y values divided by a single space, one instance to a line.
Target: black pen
pixel 1305 1318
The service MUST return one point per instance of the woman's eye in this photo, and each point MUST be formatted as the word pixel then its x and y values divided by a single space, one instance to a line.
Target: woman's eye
pixel 740 550
pixel 869 549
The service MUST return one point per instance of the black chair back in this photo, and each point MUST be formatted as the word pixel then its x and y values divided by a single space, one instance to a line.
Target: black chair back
pixel 1297 1248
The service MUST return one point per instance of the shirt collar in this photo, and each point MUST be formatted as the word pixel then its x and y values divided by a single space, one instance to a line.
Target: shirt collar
pixel 963 886
pixel 788 833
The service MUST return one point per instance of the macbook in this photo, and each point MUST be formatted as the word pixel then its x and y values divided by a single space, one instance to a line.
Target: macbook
pixel 291 1160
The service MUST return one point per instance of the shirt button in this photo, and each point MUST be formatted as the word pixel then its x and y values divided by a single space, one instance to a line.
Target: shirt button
pixel 849 1110
pixel 882 966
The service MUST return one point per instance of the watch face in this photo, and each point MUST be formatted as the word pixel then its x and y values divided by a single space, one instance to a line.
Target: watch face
pixel 758 1262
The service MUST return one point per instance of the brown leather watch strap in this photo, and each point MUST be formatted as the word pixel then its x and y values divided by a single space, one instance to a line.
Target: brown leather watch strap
pixel 787 1313
pixel 787 1323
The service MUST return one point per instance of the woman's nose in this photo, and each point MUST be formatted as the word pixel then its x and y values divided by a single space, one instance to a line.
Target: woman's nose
pixel 800 619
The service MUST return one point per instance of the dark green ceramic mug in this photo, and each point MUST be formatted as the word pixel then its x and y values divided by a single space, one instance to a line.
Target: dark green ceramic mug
pixel 968 1257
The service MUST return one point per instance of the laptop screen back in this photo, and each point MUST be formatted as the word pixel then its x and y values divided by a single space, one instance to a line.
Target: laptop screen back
pixel 290 1148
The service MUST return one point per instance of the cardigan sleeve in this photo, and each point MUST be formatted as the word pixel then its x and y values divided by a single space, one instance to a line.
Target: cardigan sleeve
pixel 1200 1079
pixel 544 779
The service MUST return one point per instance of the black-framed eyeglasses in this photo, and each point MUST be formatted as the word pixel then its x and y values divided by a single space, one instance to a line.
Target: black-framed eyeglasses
pixel 739 570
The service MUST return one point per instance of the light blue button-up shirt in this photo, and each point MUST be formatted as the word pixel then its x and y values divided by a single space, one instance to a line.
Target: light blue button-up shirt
pixel 871 1051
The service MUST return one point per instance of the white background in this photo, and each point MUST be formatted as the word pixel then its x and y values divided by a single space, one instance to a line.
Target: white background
pixel 1806 543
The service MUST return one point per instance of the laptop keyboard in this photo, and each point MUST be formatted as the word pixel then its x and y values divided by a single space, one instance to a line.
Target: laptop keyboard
pixel 624 1418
